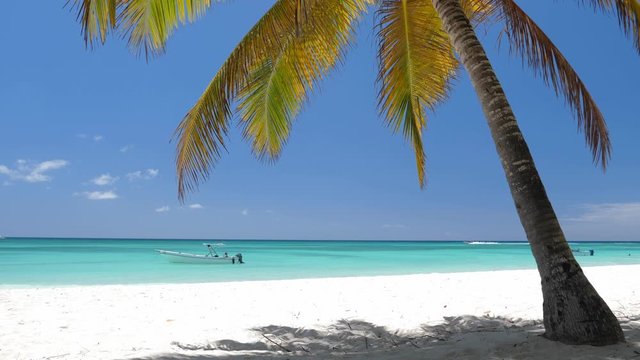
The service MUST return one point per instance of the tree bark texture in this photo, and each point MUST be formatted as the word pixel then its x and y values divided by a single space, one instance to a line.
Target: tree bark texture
pixel 574 312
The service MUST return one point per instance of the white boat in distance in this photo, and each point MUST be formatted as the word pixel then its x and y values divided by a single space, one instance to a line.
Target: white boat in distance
pixel 482 243
pixel 579 252
pixel 210 258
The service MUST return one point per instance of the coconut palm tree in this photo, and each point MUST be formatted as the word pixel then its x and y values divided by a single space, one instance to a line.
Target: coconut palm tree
pixel 282 59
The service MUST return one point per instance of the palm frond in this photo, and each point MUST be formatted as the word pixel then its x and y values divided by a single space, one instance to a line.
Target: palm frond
pixel 201 137
pixel 149 23
pixel 97 18
pixel 202 132
pixel 416 66
pixel 627 12
pixel 478 11
pixel 278 86
pixel 529 41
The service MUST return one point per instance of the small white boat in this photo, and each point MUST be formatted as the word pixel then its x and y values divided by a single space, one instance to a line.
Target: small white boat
pixel 210 258
pixel 579 252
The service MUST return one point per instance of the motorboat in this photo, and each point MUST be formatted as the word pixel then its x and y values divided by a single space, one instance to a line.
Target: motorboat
pixel 579 252
pixel 482 243
pixel 211 257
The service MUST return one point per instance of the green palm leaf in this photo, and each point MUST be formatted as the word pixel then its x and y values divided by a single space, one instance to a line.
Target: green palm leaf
pixel 147 23
pixel 278 86
pixel 256 71
pixel 97 18
pixel 416 66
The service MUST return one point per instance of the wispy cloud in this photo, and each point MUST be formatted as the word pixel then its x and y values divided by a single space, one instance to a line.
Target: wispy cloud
pixel 606 221
pixel 98 195
pixel 163 209
pixel 245 212
pixel 611 213
pixel 104 179
pixel 126 148
pixel 196 206
pixel 96 138
pixel 143 174
pixel 32 172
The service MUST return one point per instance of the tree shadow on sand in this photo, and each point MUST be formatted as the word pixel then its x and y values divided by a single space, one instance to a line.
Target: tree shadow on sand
pixel 462 337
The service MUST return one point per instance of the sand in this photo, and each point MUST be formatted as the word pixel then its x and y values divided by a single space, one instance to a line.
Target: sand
pixel 476 315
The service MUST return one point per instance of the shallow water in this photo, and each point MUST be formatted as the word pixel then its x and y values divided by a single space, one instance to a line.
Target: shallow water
pixel 31 261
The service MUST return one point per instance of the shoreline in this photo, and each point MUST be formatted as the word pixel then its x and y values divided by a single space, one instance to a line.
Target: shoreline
pixel 482 313
pixel 60 286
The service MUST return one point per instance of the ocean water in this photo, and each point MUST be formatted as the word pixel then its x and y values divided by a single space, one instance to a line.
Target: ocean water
pixel 49 262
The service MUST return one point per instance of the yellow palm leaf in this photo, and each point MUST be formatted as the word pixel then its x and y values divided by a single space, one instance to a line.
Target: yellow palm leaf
pixel 416 66
pixel 201 133
pixel 97 18
pixel 147 23
pixel 278 86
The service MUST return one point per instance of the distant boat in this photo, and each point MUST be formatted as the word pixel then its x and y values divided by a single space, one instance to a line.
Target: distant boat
pixel 481 243
pixel 210 258
pixel 579 252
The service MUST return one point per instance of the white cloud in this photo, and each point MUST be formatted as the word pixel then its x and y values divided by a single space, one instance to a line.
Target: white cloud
pixel 32 172
pixel 163 209
pixel 612 212
pixel 196 206
pixel 6 171
pixel 143 174
pixel 607 221
pixel 104 179
pixel 126 148
pixel 99 195
pixel 96 138
pixel 245 212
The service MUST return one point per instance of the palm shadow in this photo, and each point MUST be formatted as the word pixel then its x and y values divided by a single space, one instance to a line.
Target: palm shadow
pixel 460 337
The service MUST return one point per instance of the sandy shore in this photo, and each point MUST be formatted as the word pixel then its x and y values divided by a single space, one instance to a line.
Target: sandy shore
pixel 479 315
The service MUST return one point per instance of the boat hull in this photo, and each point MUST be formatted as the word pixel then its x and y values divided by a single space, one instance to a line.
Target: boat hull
pixel 583 252
pixel 186 258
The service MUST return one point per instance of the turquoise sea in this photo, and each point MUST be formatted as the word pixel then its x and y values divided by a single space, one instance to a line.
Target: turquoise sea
pixel 49 262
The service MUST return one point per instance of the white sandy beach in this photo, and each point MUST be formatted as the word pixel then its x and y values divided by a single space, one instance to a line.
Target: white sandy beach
pixel 479 315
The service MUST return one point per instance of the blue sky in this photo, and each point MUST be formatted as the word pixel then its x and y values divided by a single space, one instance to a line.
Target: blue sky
pixel 85 141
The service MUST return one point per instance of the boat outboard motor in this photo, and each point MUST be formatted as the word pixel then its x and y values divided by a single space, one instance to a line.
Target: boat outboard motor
pixel 239 257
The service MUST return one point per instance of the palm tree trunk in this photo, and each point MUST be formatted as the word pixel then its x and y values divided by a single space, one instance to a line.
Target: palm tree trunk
pixel 574 313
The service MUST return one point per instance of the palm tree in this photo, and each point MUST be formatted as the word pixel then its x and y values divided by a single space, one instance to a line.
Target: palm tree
pixel 277 65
